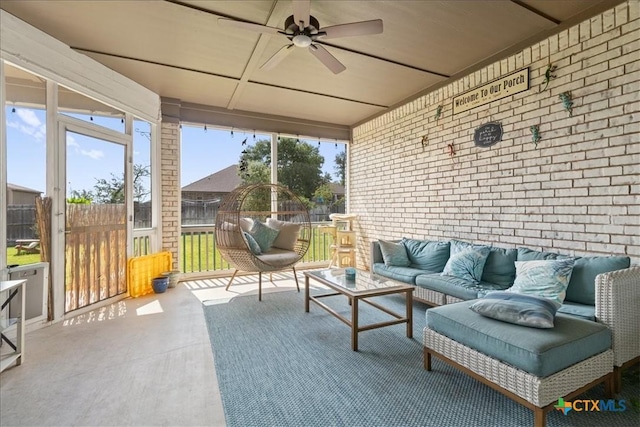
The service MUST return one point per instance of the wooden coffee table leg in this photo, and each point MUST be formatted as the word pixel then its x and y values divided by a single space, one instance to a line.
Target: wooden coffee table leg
pixel 409 298
pixel 306 294
pixel 354 324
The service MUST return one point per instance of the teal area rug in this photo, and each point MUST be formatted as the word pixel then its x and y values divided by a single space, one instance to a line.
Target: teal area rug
pixel 280 366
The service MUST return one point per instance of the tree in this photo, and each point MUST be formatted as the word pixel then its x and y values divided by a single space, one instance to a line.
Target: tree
pixel 323 194
pixel 299 165
pixel 340 167
pixel 82 197
pixel 112 190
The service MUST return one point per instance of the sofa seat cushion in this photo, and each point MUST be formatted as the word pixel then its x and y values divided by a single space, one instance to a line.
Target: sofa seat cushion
pixel 454 286
pixel 583 311
pixel 402 274
pixel 541 352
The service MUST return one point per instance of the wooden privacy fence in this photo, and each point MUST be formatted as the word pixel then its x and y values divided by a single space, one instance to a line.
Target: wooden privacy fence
pixel 21 221
pixel 95 259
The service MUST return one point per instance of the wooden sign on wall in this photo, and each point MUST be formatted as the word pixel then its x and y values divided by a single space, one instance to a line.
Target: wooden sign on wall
pixel 502 87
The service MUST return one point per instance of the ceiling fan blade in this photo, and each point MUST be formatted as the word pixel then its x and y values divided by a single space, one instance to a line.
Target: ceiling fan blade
pixel 277 57
pixel 354 29
pixel 327 59
pixel 247 26
pixel 301 12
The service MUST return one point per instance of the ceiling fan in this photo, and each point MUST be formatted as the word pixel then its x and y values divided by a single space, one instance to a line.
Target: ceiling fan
pixel 303 30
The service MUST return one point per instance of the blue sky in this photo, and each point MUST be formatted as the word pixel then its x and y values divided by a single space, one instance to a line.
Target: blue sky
pixel 203 153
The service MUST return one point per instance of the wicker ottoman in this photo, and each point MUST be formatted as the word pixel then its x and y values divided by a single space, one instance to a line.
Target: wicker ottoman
pixel 538 391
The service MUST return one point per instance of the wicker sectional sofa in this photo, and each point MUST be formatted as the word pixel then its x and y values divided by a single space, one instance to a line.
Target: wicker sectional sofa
pixel 596 332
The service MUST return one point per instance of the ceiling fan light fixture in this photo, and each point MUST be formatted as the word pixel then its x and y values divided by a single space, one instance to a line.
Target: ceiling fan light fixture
pixel 301 40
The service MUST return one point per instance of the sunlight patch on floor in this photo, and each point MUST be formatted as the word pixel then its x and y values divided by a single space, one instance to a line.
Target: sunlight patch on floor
pixel 212 291
pixel 109 312
pixel 154 307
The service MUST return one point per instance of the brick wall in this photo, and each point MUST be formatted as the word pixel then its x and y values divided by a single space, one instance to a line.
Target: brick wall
pixel 170 170
pixel 577 193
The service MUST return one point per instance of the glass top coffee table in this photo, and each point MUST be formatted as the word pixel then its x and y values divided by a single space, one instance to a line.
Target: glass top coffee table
pixel 364 286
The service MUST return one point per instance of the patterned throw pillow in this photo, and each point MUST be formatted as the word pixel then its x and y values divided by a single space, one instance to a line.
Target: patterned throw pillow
pixel 548 279
pixel 254 247
pixel 264 235
pixel 467 263
pixel 394 254
pixel 520 309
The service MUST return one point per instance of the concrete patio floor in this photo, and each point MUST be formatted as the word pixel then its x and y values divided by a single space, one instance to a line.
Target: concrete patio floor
pixel 143 361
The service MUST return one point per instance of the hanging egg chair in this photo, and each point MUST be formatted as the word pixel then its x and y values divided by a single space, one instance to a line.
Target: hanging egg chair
pixel 262 228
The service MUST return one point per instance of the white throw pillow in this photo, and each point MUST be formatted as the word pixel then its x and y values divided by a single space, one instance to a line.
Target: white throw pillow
pixel 246 224
pixel 544 278
pixel 227 236
pixel 288 235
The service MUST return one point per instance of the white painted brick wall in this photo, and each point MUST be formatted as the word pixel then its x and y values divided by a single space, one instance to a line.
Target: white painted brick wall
pixel 170 189
pixel 577 193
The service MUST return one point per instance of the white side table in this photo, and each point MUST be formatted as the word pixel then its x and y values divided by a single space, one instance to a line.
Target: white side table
pixel 12 288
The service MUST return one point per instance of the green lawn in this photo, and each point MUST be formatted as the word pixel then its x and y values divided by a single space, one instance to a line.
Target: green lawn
pixel 194 250
pixel 14 259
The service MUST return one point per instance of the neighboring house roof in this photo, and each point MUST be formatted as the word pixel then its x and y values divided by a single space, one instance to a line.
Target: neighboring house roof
pixel 336 188
pixel 15 187
pixel 223 181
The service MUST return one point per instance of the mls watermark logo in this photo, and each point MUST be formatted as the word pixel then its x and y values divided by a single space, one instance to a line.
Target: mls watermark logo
pixel 610 405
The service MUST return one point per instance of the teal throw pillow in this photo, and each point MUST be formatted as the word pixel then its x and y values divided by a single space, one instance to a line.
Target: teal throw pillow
pixel 543 278
pixel 467 264
pixel 520 309
pixel 264 235
pixel 394 254
pixel 254 247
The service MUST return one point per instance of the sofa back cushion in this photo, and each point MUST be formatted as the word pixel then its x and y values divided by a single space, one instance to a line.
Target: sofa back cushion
pixel 582 288
pixel 500 267
pixel 526 254
pixel 426 254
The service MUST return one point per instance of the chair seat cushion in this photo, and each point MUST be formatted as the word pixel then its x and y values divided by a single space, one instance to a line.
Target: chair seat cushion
pixel 402 274
pixel 540 352
pixel 279 257
pixel 455 286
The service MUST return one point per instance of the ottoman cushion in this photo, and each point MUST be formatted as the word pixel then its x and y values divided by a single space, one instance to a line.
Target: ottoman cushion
pixel 540 352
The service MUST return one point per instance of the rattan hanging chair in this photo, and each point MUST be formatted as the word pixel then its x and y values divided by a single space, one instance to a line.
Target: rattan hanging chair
pixel 262 228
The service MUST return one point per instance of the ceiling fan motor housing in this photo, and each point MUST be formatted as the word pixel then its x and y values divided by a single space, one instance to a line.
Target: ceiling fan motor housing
pixel 301 38
pixel 292 27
